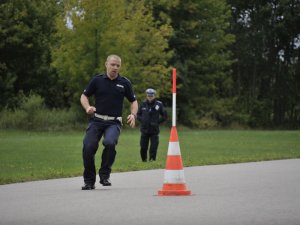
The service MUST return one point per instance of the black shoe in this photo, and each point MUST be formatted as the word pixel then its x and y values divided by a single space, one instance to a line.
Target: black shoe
pixel 88 187
pixel 105 182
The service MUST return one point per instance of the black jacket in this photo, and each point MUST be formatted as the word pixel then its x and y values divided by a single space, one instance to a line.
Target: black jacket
pixel 150 115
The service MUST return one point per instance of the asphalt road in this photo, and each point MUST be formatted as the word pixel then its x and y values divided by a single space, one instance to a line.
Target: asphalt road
pixel 261 193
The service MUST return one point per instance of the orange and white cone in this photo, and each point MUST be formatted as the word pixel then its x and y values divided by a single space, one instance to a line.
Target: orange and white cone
pixel 174 183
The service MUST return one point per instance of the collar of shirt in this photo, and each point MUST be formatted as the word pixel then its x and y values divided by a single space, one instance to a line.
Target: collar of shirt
pixel 106 77
pixel 152 102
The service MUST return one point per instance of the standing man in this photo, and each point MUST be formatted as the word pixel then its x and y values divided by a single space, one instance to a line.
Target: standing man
pixel 151 113
pixel 109 90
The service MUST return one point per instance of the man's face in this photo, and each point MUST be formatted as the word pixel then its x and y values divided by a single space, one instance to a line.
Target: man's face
pixel 112 67
pixel 150 98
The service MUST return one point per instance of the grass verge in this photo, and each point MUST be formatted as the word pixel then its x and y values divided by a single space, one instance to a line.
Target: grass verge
pixel 26 156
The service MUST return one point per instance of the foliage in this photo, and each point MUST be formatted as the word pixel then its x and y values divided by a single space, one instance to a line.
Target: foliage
pixel 33 115
pixel 96 30
pixel 26 34
pixel 200 42
pixel 237 60
pixel 266 73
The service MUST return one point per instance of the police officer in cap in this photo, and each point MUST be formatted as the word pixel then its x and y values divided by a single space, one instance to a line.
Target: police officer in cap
pixel 151 114
pixel 109 90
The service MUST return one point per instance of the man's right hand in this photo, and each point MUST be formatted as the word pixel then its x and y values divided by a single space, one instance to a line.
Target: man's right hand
pixel 90 110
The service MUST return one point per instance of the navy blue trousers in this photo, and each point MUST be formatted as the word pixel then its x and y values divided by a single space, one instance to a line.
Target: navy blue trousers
pixel 110 131
pixel 144 143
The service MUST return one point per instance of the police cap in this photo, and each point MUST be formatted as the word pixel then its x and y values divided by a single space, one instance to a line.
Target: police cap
pixel 150 92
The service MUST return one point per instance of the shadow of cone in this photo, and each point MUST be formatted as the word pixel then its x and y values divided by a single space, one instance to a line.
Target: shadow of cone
pixel 174 183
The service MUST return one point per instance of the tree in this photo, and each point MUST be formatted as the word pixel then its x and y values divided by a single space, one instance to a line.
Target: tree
pixel 90 30
pixel 200 42
pixel 26 32
pixel 266 73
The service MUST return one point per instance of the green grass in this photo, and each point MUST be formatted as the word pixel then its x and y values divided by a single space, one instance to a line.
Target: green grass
pixel 28 156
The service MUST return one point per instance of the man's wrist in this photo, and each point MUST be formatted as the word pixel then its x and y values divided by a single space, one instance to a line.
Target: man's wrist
pixel 87 108
pixel 134 114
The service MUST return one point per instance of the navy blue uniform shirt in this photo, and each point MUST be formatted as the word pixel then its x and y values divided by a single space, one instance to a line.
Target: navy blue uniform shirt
pixel 151 114
pixel 109 94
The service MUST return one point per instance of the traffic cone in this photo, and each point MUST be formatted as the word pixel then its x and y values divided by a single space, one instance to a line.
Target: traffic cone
pixel 174 183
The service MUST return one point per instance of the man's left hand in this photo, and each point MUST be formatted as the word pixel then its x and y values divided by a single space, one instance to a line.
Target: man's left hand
pixel 131 120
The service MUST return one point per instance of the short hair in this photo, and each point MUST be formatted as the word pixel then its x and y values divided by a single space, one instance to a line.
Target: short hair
pixel 113 56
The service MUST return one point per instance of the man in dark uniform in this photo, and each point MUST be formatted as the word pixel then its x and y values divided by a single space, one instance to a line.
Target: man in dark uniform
pixel 109 90
pixel 151 114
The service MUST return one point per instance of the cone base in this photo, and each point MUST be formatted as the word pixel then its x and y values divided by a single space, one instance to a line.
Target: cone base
pixel 174 193
pixel 173 190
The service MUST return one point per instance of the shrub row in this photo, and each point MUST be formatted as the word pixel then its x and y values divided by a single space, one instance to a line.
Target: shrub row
pixel 32 114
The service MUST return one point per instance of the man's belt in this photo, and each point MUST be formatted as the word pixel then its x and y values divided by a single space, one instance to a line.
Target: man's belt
pixel 106 117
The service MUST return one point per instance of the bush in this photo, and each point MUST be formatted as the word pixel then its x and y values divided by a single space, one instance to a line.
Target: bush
pixel 12 119
pixel 33 115
pixel 207 122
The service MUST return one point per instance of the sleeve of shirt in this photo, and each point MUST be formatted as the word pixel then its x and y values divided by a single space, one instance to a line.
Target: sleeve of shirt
pixel 139 113
pixel 91 88
pixel 163 113
pixel 129 92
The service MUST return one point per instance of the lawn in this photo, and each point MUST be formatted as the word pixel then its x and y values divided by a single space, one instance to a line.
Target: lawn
pixel 28 155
